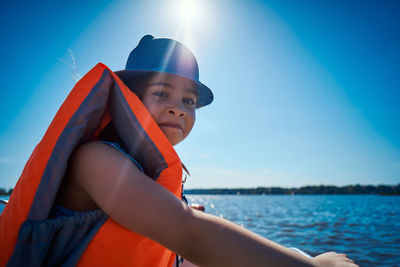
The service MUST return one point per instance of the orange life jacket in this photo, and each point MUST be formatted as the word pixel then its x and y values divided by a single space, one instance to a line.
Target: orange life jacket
pixel 98 98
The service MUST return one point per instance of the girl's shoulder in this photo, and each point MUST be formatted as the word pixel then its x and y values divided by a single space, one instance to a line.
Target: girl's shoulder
pixel 96 153
pixel 120 148
pixel 88 164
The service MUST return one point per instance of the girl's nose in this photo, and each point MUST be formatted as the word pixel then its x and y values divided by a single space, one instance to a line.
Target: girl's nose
pixel 176 111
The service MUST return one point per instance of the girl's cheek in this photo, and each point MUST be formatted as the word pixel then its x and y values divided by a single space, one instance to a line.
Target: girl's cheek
pixel 193 113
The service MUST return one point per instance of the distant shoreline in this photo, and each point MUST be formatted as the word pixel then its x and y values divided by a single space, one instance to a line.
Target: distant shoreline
pixel 304 190
pixel 391 190
pixel 5 192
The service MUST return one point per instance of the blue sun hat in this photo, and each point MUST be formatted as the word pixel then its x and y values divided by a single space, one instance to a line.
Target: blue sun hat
pixel 168 56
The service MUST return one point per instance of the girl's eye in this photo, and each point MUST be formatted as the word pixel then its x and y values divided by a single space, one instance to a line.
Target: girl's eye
pixel 160 94
pixel 189 101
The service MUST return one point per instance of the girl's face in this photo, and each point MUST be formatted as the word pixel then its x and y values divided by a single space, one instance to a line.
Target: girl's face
pixel 171 100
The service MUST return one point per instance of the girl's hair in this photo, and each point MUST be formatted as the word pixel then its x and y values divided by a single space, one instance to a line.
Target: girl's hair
pixel 138 83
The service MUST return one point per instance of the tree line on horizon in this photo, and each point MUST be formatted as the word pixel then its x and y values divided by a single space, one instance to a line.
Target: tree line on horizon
pixel 5 192
pixel 304 190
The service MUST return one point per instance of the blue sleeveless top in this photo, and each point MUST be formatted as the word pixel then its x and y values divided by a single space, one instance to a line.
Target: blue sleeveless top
pixel 61 239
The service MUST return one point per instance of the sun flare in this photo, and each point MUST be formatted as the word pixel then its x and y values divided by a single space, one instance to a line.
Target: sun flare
pixel 192 20
pixel 187 10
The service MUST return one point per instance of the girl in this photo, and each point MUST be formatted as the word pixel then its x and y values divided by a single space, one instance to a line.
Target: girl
pixel 112 197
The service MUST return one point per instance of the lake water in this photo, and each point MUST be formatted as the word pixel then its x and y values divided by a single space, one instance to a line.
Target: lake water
pixel 366 228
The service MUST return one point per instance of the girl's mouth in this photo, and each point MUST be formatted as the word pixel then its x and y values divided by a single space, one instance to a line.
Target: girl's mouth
pixel 171 125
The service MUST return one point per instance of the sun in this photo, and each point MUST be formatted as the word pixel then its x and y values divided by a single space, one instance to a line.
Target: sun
pixel 192 20
pixel 187 10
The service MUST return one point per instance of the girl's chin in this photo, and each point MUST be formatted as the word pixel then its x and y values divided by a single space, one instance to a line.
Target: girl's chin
pixel 175 141
pixel 174 138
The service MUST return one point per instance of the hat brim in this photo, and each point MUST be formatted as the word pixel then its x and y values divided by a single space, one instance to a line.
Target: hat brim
pixel 205 96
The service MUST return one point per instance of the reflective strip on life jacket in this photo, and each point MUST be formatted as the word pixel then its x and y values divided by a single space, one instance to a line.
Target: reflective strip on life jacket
pixel 98 98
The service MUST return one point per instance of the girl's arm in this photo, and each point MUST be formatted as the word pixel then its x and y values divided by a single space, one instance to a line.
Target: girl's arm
pixel 138 203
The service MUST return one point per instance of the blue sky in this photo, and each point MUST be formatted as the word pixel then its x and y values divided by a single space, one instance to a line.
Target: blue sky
pixel 306 92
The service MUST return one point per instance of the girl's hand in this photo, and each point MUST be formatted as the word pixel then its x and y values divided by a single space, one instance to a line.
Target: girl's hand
pixel 333 259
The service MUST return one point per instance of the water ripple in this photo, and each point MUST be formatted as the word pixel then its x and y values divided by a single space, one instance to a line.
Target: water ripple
pixel 366 228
